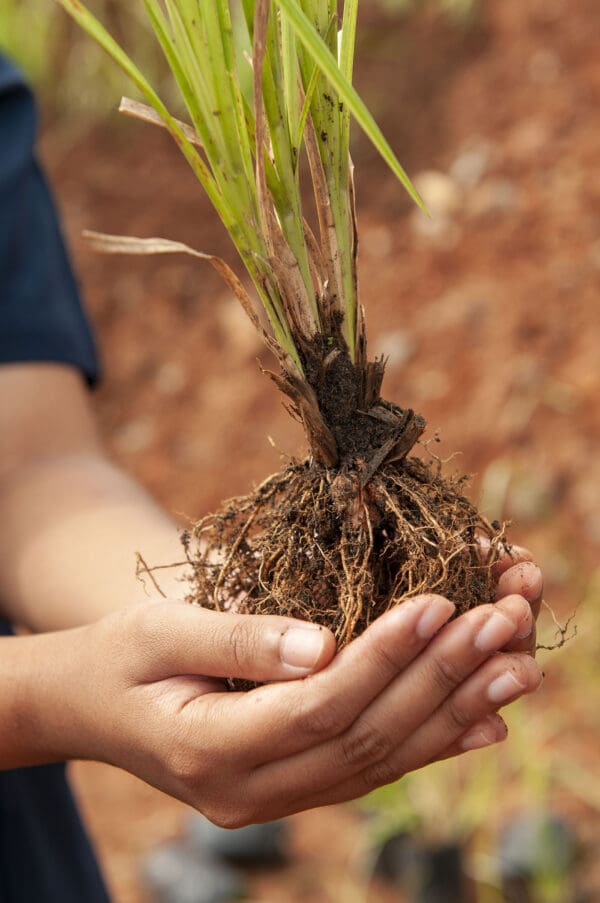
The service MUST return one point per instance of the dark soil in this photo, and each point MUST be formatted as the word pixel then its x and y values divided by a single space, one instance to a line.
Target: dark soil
pixel 366 429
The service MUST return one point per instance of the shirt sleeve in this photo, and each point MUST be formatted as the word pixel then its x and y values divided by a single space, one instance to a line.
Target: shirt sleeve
pixel 41 315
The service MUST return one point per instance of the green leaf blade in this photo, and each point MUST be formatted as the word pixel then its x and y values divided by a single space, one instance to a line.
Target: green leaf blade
pixel 349 96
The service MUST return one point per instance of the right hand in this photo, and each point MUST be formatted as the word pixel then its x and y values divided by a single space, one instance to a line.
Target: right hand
pixel 141 689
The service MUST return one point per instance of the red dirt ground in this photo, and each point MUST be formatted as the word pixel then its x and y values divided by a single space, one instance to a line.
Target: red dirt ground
pixel 490 315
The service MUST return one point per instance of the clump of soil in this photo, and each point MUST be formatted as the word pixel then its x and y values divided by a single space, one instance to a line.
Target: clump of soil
pixel 354 529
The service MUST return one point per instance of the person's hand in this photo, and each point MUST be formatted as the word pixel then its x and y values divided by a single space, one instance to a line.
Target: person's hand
pixel 516 574
pixel 138 689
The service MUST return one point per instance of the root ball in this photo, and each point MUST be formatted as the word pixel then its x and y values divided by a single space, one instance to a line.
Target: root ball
pixel 314 544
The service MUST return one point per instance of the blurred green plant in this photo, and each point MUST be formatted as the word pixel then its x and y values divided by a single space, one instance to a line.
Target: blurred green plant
pixel 69 73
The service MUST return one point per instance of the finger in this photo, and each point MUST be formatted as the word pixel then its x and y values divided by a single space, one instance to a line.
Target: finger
pixel 411 699
pixel 518 609
pixel 524 579
pixel 508 557
pixel 176 638
pixel 455 721
pixel 500 681
pixel 282 719
pixel 487 732
pixel 524 637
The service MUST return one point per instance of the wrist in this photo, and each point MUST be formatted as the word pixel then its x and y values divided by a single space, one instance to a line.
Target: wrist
pixel 39 711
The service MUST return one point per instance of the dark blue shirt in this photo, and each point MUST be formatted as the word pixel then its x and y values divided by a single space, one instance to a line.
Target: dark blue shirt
pixel 41 318
pixel 45 856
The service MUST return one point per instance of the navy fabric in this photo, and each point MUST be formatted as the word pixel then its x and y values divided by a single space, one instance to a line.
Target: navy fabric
pixel 41 318
pixel 45 856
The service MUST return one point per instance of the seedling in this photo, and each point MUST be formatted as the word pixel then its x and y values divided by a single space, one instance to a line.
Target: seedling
pixel 361 524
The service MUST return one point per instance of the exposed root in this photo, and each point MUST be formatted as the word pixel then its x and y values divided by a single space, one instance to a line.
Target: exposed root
pixel 142 570
pixel 314 544
pixel 564 632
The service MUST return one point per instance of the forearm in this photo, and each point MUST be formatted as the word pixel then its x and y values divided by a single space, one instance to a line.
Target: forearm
pixel 72 525
pixel 36 721
pixel 71 522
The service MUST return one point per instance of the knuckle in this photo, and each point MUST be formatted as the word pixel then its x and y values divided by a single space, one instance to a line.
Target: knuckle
pixel 388 660
pixel 445 673
pixel 458 717
pixel 136 634
pixel 363 745
pixel 143 618
pixel 242 643
pixel 186 767
pixel 189 765
pixel 146 624
pixel 318 719
pixel 379 774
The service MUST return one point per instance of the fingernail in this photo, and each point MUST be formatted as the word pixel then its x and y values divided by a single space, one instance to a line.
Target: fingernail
pixel 535 584
pixel 504 688
pixel 492 730
pixel 476 740
pixel 434 617
pixel 516 608
pixel 526 632
pixel 496 631
pixel 301 647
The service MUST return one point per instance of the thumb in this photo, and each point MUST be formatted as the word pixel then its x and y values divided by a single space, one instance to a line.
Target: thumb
pixel 188 639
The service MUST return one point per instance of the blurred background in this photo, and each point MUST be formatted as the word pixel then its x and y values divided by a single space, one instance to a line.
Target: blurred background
pixel 489 314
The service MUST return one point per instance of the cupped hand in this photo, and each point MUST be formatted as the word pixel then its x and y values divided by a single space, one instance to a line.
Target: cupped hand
pixel 145 694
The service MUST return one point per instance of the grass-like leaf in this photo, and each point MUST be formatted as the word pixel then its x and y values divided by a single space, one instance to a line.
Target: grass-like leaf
pixel 245 147
pixel 330 68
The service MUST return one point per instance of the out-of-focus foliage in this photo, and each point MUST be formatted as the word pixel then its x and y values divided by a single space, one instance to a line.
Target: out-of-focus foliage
pixel 73 75
pixel 68 71
pixel 456 9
